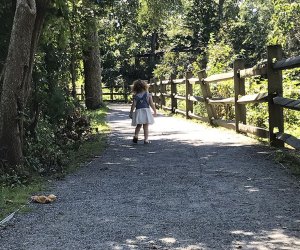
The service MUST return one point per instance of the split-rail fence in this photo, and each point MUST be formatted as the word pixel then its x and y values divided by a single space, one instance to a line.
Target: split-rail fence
pixel 271 70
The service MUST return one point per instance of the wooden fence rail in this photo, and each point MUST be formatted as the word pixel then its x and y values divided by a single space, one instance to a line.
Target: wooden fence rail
pixel 274 97
pixel 118 93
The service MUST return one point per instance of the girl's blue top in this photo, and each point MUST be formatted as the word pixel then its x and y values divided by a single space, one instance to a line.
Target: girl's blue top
pixel 141 101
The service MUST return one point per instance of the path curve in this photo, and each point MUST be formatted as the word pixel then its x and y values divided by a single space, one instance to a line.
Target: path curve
pixel 194 187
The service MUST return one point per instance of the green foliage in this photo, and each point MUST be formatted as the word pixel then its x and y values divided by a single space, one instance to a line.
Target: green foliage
pixel 291 80
pixel 248 31
pixel 286 28
pixel 12 177
pixel 59 105
pixel 220 57
pixel 13 198
pixel 91 143
pixel 152 13
pixel 44 153
pixel 202 19
pixel 172 63
pixel 120 39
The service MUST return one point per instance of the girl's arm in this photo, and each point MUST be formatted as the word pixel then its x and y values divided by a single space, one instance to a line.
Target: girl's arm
pixel 132 108
pixel 152 104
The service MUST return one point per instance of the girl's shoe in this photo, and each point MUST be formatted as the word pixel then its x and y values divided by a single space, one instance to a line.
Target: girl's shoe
pixel 135 139
pixel 147 142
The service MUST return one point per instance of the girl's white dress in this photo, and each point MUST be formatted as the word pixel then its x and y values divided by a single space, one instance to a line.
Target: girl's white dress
pixel 142 114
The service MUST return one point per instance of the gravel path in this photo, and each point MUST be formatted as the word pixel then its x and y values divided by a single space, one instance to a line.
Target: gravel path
pixel 194 187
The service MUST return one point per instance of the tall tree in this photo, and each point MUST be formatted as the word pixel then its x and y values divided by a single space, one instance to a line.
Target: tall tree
pixel 202 19
pixel 92 60
pixel 152 15
pixel 27 26
pixel 285 28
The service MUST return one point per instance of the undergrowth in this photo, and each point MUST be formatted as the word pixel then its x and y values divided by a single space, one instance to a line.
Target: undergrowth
pixel 53 154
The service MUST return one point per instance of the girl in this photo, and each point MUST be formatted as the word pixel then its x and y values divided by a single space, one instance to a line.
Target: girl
pixel 142 99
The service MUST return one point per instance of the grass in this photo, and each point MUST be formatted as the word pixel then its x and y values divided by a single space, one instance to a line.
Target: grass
pixel 13 198
pixel 289 158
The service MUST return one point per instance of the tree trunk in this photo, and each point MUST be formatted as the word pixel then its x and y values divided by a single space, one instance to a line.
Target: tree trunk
pixel 41 6
pixel 92 66
pixel 220 11
pixel 28 20
pixel 73 50
pixel 154 46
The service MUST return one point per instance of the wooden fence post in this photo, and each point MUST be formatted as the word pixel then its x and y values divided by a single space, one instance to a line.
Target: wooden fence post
pixel 157 91
pixel 173 93
pixel 125 92
pixel 162 92
pixel 239 89
pixel 151 87
pixel 82 93
pixel 205 89
pixel 152 90
pixel 111 93
pixel 188 93
pixel 275 89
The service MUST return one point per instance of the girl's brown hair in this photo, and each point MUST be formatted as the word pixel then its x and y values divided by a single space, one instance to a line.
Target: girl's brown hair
pixel 139 86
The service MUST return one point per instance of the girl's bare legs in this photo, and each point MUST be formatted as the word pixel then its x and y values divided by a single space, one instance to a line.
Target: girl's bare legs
pixel 137 130
pixel 146 131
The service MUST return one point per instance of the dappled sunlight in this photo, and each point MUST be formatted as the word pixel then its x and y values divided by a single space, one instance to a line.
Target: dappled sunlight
pixel 168 240
pixel 273 239
pixel 241 239
pixel 112 163
pixel 164 243
pixel 251 189
pixel 241 232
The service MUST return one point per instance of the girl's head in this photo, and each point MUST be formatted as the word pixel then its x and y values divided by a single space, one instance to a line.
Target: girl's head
pixel 139 86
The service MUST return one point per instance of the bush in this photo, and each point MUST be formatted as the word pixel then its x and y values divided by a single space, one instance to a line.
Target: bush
pixel 46 153
pixel 42 154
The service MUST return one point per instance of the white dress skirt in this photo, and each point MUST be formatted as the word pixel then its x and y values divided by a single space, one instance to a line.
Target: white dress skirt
pixel 142 116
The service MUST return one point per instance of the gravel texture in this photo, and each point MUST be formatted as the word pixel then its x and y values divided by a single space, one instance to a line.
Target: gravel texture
pixel 193 187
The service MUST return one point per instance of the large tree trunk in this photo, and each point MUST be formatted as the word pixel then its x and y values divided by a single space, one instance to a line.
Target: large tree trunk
pixel 92 66
pixel 25 33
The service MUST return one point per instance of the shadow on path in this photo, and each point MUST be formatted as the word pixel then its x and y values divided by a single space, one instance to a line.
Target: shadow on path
pixel 194 187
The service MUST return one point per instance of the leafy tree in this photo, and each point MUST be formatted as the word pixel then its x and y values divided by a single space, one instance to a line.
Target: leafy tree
pixel 120 40
pixel 285 27
pixel 220 57
pixel 202 20
pixel 248 31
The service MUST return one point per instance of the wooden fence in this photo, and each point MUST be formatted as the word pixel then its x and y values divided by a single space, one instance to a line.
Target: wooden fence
pixel 117 93
pixel 80 93
pixel 111 94
pixel 272 70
